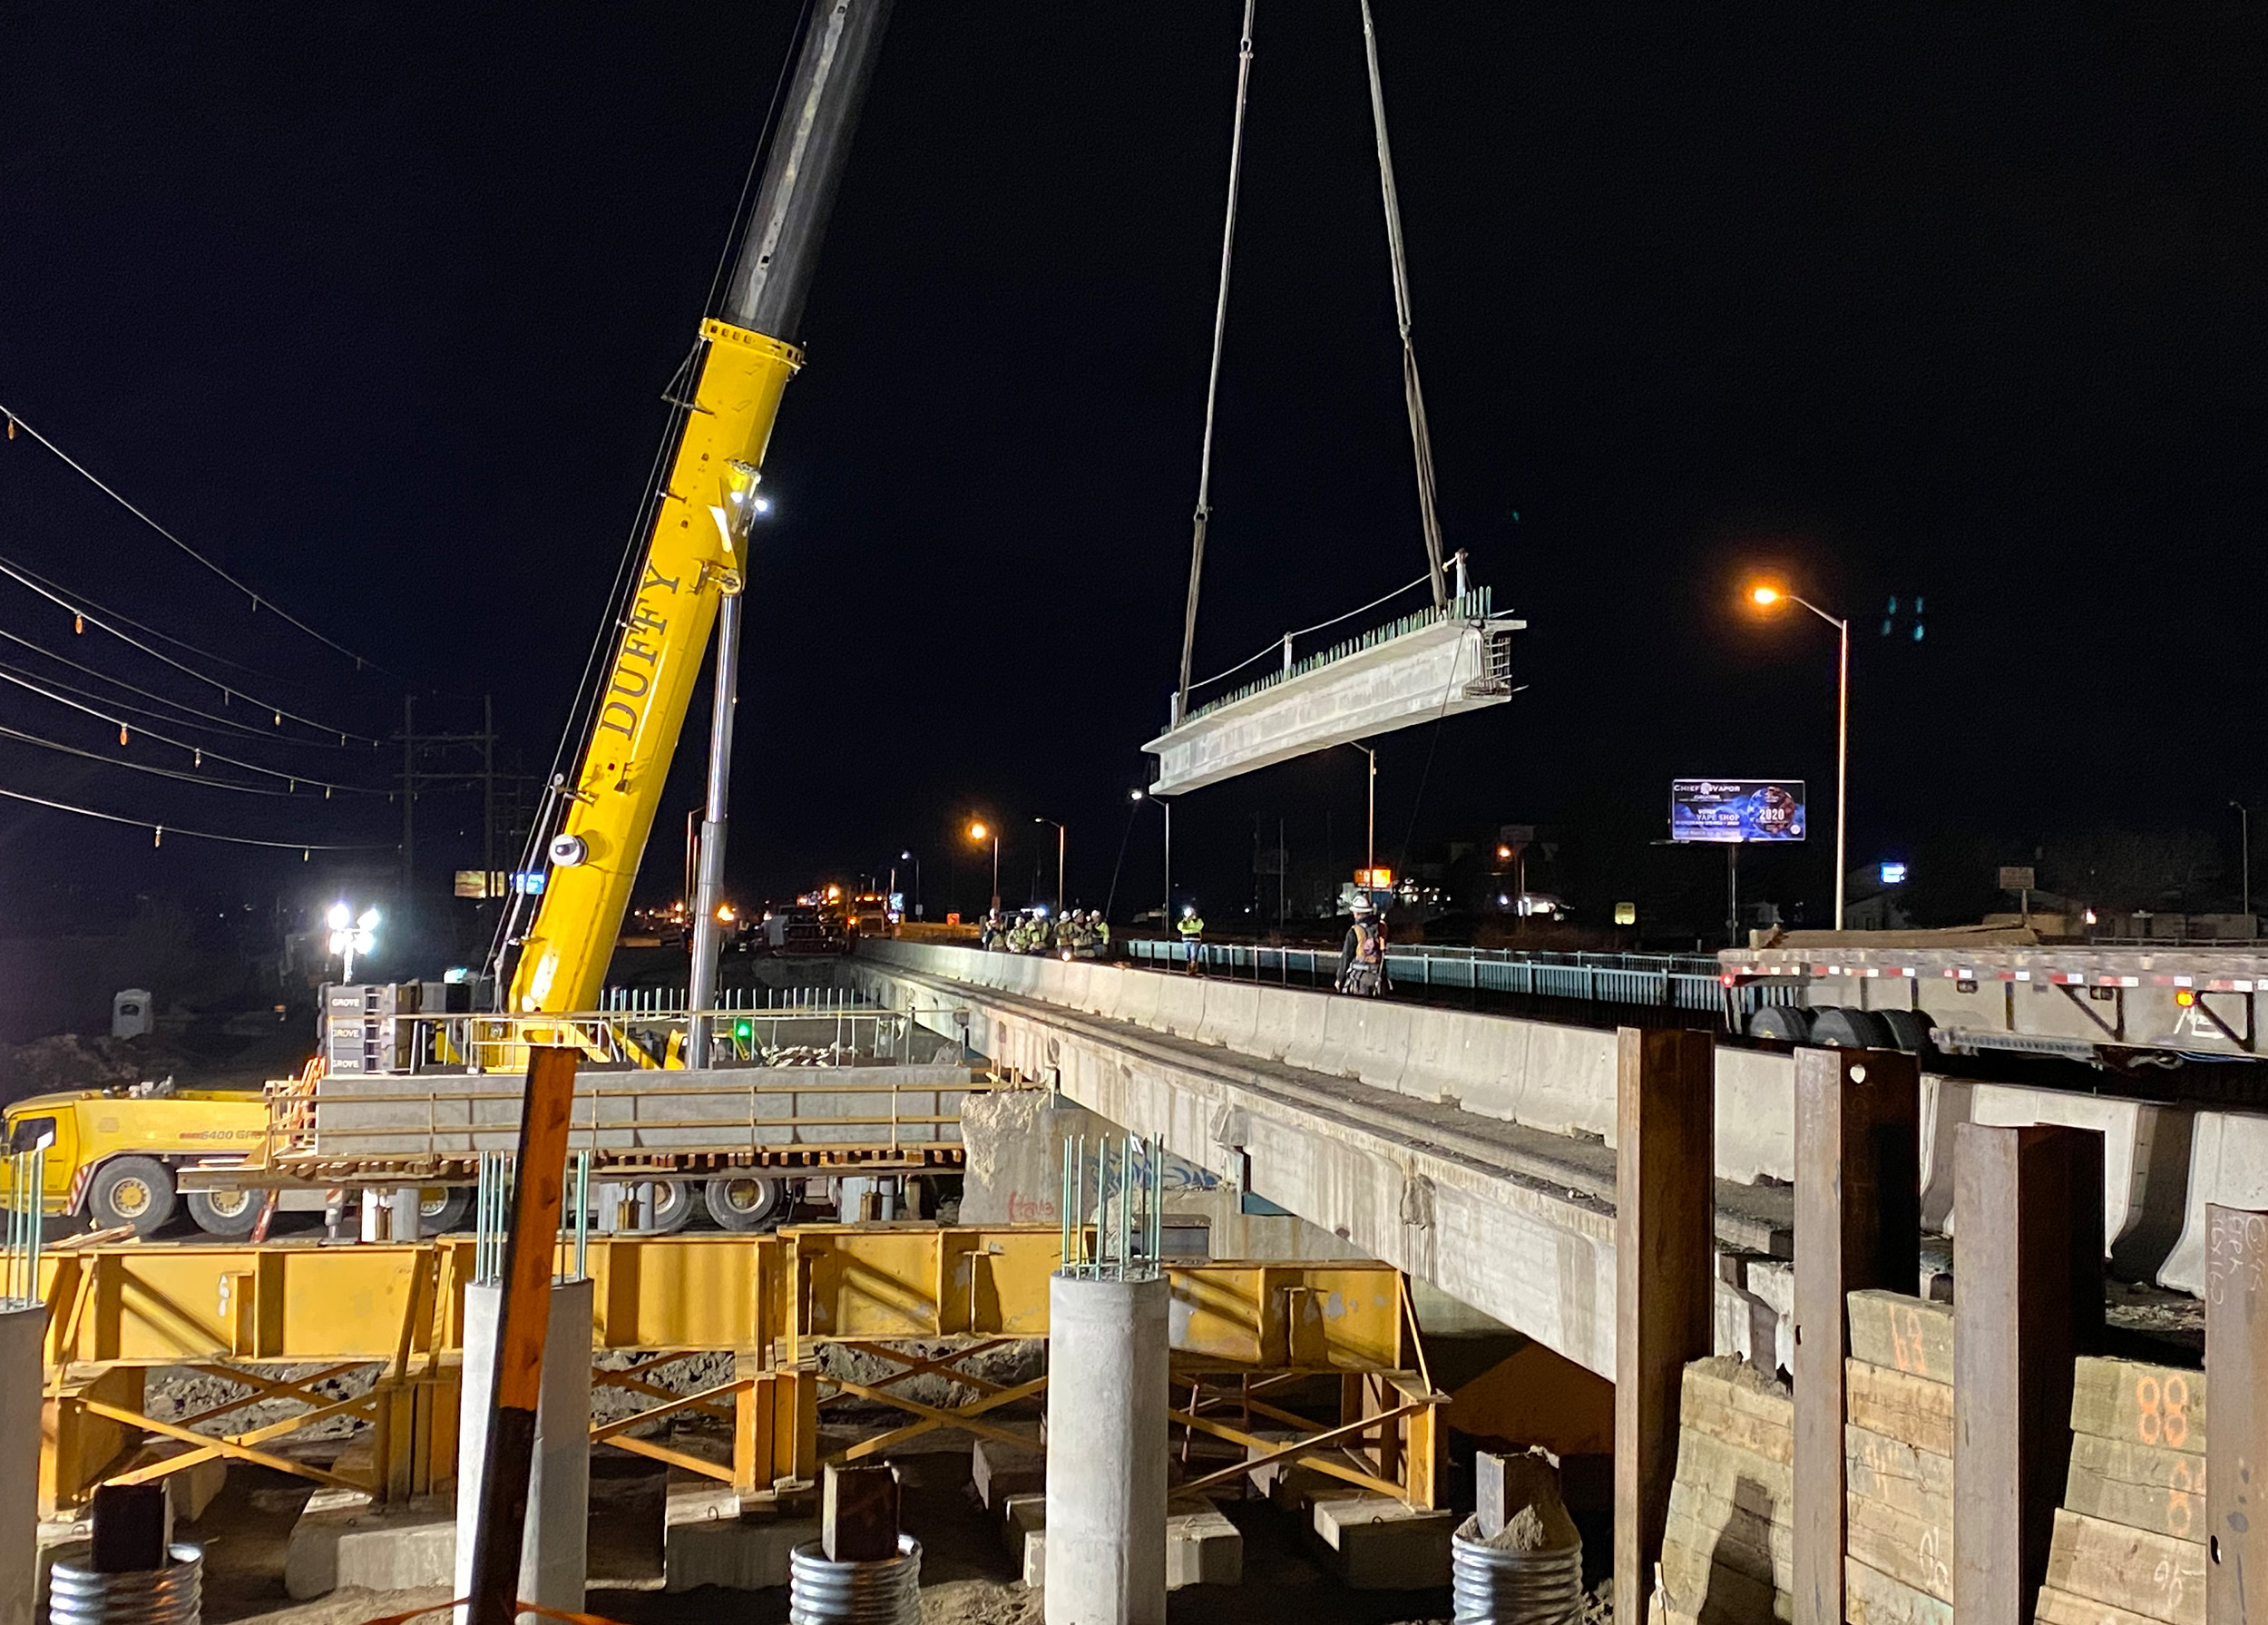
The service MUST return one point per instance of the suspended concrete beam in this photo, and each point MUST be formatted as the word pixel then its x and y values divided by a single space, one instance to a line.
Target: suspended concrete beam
pixel 1432 664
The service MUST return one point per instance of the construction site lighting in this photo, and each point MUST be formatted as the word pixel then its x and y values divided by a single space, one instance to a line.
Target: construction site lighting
pixel 1503 852
pixel 724 915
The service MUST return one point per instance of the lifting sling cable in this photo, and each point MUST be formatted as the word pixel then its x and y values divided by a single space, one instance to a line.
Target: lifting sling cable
pixel 1420 442
pixel 1212 381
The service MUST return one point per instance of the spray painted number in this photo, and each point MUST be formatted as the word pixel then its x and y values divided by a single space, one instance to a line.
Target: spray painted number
pixel 1906 1350
pixel 2162 1410
pixel 2181 1503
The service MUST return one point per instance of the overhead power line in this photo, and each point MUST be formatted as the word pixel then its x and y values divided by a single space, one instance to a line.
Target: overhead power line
pixel 161 830
pixel 213 720
pixel 85 609
pixel 198 751
pixel 110 761
pixel 259 600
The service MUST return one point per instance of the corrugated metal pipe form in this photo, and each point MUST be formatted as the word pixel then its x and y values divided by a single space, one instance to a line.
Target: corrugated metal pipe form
pixel 888 1593
pixel 78 1594
pixel 1497 1584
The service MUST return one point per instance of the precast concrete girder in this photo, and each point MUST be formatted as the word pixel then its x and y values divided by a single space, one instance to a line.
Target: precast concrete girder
pixel 1443 669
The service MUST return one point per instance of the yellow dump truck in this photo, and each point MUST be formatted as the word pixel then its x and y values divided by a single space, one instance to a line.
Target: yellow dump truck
pixel 112 1154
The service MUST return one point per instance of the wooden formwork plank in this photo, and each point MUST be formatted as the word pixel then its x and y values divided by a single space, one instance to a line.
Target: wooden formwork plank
pixel 1858 1219
pixel 2144 1574
pixel 1664 1282
pixel 2147 1404
pixel 1913 1410
pixel 2027 1214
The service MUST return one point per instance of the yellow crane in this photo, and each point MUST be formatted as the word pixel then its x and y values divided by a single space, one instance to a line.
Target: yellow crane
pixel 695 564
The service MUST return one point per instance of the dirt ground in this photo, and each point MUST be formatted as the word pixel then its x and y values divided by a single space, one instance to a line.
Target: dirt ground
pixel 968 1577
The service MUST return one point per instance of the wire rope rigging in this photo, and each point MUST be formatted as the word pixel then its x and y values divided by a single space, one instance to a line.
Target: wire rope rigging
pixel 1437 573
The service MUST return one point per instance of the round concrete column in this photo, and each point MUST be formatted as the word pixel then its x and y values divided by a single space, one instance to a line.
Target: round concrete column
pixel 1107 1397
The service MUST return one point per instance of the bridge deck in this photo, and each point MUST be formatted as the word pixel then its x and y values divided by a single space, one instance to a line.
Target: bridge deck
pixel 1515 1221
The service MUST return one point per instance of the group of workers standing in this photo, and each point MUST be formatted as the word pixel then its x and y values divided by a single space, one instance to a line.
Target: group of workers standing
pixel 1362 956
pixel 1077 936
pixel 1086 935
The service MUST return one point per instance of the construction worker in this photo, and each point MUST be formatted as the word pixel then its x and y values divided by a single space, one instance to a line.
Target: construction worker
pixel 1191 925
pixel 991 933
pixel 1098 931
pixel 1363 956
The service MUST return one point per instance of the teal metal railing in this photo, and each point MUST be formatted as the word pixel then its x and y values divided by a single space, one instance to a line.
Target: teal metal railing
pixel 1474 605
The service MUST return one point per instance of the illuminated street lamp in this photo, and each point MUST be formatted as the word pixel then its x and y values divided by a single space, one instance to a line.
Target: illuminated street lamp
pixel 351 934
pixel 979 835
pixel 1768 597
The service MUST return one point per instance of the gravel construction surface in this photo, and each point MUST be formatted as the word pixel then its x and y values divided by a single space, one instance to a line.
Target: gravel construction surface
pixel 968 1575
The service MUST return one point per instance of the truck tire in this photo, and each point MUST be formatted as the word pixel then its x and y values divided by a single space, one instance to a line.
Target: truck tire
pixel 746 1201
pixel 441 1208
pixel 1908 1030
pixel 1839 1027
pixel 1790 1024
pixel 135 1190
pixel 227 1214
pixel 674 1203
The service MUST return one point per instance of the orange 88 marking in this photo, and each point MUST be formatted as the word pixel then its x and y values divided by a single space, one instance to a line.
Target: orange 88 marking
pixel 2163 1410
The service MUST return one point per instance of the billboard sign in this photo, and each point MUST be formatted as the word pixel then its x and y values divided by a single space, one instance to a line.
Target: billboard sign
pixel 1737 810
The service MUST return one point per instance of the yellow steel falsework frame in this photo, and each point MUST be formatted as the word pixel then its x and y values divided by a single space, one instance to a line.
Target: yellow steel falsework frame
pixel 775 1302
pixel 695 556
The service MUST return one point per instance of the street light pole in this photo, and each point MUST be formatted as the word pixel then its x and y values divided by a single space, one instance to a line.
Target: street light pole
pixel 1370 837
pixel 1060 837
pixel 978 832
pixel 1765 598
pixel 2244 823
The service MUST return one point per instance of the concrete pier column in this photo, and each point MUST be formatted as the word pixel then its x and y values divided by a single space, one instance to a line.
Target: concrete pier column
pixel 21 1331
pixel 553 1556
pixel 1106 1500
pixel 404 1213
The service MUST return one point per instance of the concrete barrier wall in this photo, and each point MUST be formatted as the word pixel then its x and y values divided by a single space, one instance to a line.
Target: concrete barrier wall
pixel 2161 1163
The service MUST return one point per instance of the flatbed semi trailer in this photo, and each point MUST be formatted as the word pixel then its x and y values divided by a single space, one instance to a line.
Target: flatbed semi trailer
pixel 731 1140
pixel 2119 1007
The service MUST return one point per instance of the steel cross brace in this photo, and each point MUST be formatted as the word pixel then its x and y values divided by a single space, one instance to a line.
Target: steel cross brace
pixel 1271 1451
pixel 933 1416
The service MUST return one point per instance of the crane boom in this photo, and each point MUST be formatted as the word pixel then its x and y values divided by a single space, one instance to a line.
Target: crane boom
pixel 696 551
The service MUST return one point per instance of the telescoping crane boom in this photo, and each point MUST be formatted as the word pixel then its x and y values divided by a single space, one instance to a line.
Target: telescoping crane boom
pixel 696 552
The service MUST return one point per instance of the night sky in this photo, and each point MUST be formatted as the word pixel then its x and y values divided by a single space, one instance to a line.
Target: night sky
pixel 374 305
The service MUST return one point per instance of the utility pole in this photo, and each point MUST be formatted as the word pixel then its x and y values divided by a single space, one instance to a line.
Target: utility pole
pixel 409 806
pixel 488 789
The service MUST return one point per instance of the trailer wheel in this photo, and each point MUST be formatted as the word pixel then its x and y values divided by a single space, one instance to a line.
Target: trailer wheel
pixel 1908 1030
pixel 745 1201
pixel 674 1204
pixel 441 1208
pixel 1840 1027
pixel 1790 1024
pixel 227 1214
pixel 134 1191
